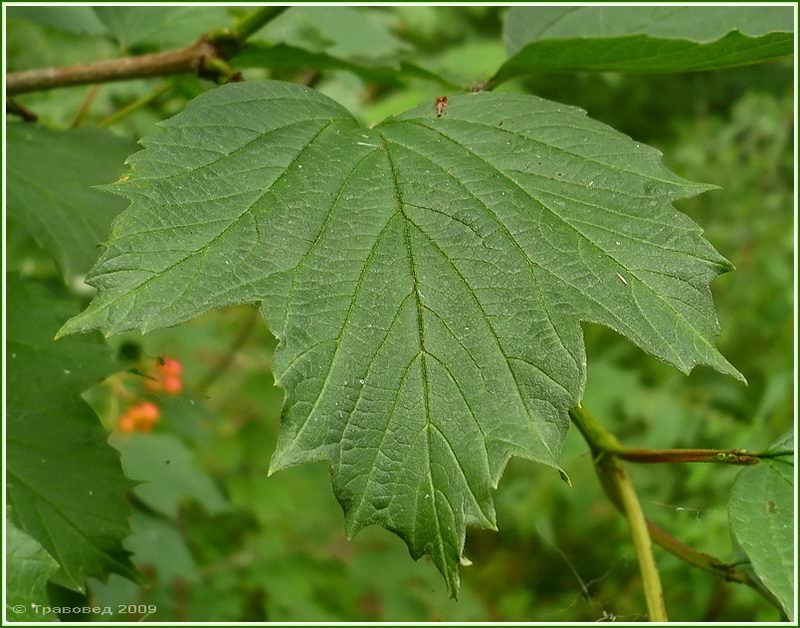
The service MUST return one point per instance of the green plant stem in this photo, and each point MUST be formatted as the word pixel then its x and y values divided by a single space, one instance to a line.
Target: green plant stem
pixel 613 469
pixel 143 101
pixel 606 442
pixel 604 446
pixel 618 485
pixel 253 22
pixel 248 325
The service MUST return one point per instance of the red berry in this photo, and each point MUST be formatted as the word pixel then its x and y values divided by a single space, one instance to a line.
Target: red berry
pixel 147 410
pixel 126 423
pixel 173 385
pixel 171 366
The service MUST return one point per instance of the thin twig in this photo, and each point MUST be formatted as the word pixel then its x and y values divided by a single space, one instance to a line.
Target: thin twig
pixel 16 109
pixel 180 61
pixel 207 57
pixel 719 456
pixel 86 104
pixel 142 101
pixel 219 369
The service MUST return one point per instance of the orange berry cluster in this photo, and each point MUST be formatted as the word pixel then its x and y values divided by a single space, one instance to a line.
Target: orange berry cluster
pixel 167 377
pixel 143 415
pixel 140 417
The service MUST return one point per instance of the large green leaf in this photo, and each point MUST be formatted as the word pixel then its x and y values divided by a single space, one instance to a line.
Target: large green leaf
pixel 426 279
pixel 51 179
pixel 761 512
pixel 65 482
pixel 29 567
pixel 643 39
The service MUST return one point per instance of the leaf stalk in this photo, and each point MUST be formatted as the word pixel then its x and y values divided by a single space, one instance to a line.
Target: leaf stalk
pixel 607 453
pixel 606 442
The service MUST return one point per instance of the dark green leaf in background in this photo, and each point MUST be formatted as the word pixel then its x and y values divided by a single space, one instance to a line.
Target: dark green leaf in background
pixel 29 567
pixel 65 483
pixel 426 277
pixel 286 57
pixel 643 39
pixel 78 20
pixel 51 179
pixel 761 512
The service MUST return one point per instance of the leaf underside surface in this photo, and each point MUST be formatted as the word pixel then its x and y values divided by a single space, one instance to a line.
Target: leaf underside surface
pixel 643 39
pixel 426 279
pixel 761 512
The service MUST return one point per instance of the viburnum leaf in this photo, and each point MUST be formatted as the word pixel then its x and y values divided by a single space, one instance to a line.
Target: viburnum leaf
pixel 761 513
pixel 65 482
pixel 426 279
pixel 643 38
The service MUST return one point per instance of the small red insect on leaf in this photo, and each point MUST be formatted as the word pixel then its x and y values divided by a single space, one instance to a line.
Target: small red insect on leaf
pixel 441 105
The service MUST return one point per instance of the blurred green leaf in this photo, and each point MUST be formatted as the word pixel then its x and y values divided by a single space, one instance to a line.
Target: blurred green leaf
pixel 78 20
pixel 156 543
pixel 51 189
pixel 168 474
pixel 470 63
pixel 761 512
pixel 160 26
pixel 347 33
pixel 29 567
pixel 286 57
pixel 643 39
pixel 65 483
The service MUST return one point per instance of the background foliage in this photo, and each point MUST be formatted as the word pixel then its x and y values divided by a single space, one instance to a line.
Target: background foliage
pixel 214 538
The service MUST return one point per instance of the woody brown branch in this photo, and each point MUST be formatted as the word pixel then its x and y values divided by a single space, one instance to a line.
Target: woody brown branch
pixel 192 59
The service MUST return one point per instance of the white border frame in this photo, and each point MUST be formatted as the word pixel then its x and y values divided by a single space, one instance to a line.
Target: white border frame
pixel 502 4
